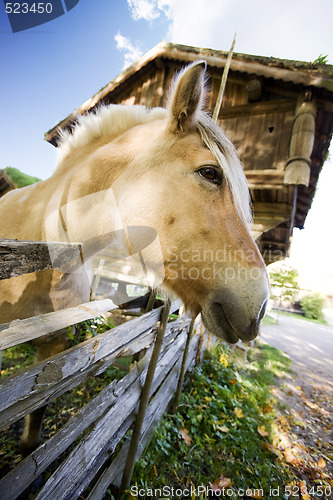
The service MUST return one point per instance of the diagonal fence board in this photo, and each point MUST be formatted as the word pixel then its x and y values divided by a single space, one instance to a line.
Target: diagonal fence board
pixel 30 468
pixel 117 404
pixel 20 331
pixel 31 389
pixel 83 457
pixel 157 407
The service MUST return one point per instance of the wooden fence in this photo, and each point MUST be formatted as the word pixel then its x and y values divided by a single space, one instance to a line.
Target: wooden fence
pixel 106 419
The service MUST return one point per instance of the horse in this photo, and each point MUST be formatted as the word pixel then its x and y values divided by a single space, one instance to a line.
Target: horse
pixel 169 171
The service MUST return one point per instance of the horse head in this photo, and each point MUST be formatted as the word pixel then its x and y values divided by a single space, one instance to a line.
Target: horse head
pixel 184 179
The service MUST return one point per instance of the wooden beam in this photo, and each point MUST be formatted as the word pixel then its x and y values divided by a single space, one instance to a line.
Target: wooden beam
pixel 272 243
pixel 258 108
pixel 272 210
pixel 269 215
pixel 265 179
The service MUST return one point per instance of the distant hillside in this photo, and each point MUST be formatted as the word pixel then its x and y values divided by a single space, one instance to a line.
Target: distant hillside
pixel 19 178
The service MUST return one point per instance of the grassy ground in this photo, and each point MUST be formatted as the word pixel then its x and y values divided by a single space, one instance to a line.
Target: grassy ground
pixel 229 437
pixel 299 316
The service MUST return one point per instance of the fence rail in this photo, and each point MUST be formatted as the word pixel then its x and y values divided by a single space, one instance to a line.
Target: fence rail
pixel 107 418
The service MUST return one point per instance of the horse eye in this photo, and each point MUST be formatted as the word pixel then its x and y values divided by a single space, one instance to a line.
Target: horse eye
pixel 211 174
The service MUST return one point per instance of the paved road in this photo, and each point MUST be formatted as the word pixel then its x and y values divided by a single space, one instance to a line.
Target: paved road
pixel 308 344
pixel 308 393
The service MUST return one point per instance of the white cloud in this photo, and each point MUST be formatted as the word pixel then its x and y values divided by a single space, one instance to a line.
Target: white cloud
pixel 143 9
pixel 261 29
pixel 131 52
pixel 194 22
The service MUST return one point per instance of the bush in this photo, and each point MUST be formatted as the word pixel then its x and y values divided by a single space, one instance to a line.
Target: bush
pixel 19 178
pixel 312 305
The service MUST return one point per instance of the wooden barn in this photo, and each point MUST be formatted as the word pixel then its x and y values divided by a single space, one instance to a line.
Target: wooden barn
pixel 278 113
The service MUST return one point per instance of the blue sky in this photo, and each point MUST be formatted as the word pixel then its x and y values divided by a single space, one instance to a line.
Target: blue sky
pixel 48 71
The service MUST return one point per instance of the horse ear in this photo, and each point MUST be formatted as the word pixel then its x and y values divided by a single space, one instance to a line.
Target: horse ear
pixel 186 97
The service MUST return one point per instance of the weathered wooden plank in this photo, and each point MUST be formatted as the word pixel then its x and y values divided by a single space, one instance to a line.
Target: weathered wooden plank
pixel 21 257
pixel 164 392
pixel 44 382
pixel 144 399
pixel 65 364
pixel 30 468
pixel 61 484
pixel 154 412
pixel 156 408
pixel 20 331
pixel 83 457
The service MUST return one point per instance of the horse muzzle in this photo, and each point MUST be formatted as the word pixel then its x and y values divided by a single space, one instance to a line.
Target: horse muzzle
pixel 229 317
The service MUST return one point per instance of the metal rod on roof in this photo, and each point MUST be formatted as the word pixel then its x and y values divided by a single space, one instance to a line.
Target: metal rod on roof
pixel 223 81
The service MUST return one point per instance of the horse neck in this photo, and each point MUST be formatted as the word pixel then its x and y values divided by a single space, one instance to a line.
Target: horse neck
pixel 83 208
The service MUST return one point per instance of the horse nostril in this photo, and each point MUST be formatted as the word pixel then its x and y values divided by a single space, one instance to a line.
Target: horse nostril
pixel 263 310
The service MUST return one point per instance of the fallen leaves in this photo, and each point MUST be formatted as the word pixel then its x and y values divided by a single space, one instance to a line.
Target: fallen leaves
pixel 220 483
pixel 290 457
pixel 262 431
pixel 267 408
pixel 184 434
pixel 224 359
pixel 222 428
pixel 284 442
pixel 321 463
pixel 238 412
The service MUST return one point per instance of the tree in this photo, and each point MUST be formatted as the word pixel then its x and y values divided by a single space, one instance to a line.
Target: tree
pixel 19 178
pixel 284 283
pixel 312 305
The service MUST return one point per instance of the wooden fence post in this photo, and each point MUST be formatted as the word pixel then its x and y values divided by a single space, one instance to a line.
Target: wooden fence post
pixel 150 304
pixel 97 279
pixel 198 356
pixel 132 450
pixel 182 370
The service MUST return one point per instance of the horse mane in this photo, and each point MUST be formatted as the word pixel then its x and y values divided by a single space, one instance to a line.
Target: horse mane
pixel 225 153
pixel 106 121
pixel 115 119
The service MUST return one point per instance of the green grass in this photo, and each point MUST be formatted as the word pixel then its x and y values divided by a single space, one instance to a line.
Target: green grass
pixel 19 178
pixel 300 316
pixel 268 320
pixel 222 409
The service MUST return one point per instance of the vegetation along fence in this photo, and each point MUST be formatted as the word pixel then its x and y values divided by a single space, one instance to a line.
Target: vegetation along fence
pixel 140 397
